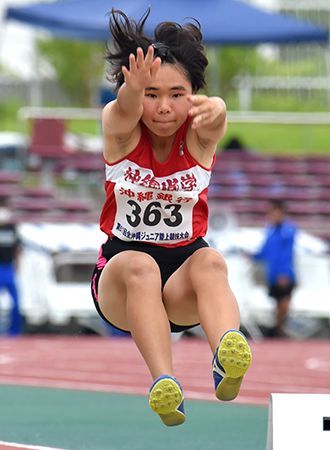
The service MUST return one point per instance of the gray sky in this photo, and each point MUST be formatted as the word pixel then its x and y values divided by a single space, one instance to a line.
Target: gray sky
pixel 16 43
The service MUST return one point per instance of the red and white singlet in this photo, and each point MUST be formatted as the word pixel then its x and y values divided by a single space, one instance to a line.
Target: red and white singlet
pixel 156 203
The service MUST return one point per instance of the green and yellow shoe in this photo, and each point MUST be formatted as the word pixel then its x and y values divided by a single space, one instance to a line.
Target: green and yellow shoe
pixel 166 399
pixel 230 363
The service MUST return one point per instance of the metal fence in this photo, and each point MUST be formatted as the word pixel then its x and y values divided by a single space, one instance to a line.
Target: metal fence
pixel 299 71
pixel 32 92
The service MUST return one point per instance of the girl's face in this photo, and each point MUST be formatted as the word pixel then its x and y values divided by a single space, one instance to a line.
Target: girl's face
pixel 165 105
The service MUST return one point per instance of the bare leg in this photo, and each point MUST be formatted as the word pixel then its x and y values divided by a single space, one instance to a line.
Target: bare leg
pixel 217 306
pixel 199 292
pixel 130 297
pixel 281 314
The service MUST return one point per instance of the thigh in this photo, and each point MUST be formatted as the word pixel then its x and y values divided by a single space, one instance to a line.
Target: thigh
pixel 179 292
pixel 112 284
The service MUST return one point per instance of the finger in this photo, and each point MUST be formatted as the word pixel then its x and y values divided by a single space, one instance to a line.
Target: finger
pixel 139 57
pixel 197 99
pixel 195 124
pixel 125 71
pixel 201 120
pixel 132 63
pixel 197 110
pixel 197 121
pixel 149 56
pixel 192 112
pixel 155 66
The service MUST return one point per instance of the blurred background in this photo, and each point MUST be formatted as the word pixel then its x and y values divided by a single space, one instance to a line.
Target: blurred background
pixel 52 89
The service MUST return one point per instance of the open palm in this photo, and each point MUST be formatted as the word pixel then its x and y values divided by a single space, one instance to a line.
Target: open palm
pixel 141 69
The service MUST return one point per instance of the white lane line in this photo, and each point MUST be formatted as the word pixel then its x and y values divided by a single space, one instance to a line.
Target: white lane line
pixel 318 364
pixel 30 447
pixel 4 359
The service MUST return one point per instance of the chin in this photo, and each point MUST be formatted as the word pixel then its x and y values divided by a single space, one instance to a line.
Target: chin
pixel 163 133
pixel 164 129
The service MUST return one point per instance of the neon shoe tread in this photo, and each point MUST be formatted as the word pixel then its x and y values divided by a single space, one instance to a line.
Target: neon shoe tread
pixel 234 356
pixel 166 399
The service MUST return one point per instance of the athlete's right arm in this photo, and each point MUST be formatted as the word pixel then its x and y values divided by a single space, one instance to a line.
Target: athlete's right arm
pixel 121 117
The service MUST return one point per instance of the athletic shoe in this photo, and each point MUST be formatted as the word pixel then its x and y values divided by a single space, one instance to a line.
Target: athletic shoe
pixel 230 363
pixel 166 399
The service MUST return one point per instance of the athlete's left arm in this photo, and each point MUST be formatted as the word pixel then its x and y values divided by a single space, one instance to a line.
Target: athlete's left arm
pixel 209 119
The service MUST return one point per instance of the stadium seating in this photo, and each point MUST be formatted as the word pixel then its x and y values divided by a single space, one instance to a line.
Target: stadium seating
pixel 48 139
pixel 9 177
pixel 7 191
pixel 245 182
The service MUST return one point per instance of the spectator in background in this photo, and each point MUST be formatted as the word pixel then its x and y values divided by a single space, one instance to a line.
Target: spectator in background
pixel 107 92
pixel 235 144
pixel 9 252
pixel 277 253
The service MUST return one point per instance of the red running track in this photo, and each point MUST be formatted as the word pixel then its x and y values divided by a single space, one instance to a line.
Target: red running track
pixel 114 365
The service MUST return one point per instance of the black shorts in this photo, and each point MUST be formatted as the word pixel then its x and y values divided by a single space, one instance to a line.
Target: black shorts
pixel 168 260
pixel 279 291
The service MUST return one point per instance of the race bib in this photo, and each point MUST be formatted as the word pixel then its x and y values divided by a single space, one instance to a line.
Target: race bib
pixel 152 215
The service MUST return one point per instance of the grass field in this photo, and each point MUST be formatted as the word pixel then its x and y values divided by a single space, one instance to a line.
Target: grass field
pixel 282 139
pixel 263 138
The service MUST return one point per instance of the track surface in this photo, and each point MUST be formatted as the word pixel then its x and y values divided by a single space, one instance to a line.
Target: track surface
pixel 114 365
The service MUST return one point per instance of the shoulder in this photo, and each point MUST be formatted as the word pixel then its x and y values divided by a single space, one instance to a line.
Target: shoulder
pixel 107 110
pixel 289 229
pixel 290 225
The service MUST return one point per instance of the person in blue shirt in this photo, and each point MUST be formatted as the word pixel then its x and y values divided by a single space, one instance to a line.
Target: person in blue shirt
pixel 277 253
pixel 9 252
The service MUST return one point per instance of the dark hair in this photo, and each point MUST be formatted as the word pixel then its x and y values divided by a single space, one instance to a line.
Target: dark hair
pixel 278 204
pixel 172 42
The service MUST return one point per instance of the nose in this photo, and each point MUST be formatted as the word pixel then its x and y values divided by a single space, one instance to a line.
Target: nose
pixel 164 106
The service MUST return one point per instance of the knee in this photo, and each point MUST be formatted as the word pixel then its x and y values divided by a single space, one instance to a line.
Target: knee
pixel 141 268
pixel 208 261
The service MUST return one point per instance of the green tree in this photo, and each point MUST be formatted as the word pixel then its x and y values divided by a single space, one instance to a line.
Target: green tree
pixel 231 62
pixel 78 66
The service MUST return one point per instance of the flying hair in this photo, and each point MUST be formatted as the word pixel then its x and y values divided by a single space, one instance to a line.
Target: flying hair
pixel 173 43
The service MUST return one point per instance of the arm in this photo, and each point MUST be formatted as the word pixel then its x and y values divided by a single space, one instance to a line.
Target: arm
pixel 262 253
pixel 209 119
pixel 17 249
pixel 120 117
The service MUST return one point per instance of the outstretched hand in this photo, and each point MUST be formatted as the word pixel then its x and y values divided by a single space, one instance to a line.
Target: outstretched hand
pixel 141 69
pixel 206 111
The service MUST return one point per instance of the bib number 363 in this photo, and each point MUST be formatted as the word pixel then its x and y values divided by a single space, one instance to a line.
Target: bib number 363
pixel 154 213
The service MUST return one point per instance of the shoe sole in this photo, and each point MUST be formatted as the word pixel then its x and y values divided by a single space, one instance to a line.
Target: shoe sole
pixel 164 399
pixel 235 357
